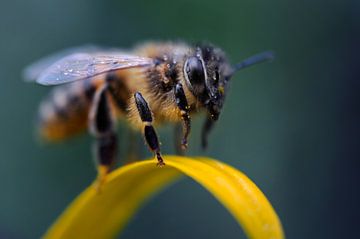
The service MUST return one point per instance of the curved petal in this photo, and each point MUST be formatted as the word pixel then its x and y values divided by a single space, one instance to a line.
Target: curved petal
pixel 103 215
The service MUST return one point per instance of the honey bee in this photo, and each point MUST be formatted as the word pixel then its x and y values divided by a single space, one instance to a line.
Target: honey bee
pixel 153 84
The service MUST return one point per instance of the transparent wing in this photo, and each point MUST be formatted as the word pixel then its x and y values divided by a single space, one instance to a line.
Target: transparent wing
pixel 82 65
pixel 33 71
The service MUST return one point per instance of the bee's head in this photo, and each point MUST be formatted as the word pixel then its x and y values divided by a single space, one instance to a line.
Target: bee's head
pixel 207 73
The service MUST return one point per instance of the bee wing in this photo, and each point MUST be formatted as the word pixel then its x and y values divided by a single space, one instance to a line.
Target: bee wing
pixel 33 71
pixel 82 66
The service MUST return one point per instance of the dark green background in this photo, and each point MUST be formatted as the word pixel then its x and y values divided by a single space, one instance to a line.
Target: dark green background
pixel 292 126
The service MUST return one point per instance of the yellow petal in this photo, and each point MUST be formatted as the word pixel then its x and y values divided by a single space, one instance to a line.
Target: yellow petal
pixel 104 215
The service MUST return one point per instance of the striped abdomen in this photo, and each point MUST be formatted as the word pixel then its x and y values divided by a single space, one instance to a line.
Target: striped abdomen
pixel 64 112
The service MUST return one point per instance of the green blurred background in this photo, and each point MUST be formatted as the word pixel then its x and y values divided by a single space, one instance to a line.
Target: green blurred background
pixel 292 126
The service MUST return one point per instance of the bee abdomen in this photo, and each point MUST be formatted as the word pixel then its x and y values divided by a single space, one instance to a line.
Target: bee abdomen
pixel 65 112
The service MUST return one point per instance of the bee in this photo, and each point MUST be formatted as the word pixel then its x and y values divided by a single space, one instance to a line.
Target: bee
pixel 155 83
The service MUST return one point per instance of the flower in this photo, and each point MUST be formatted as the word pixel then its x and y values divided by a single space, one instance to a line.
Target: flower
pixel 128 187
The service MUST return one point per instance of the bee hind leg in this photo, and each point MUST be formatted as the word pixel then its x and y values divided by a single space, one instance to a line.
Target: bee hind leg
pixel 101 123
pixel 149 132
pixel 184 108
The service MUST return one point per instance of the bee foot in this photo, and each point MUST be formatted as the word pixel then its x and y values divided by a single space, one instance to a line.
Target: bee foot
pixel 160 162
pixel 98 187
pixel 184 145
pixel 101 178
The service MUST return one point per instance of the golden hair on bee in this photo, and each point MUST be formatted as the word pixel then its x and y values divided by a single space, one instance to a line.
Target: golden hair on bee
pixel 153 84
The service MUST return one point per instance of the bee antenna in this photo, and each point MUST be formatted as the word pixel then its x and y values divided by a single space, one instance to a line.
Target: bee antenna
pixel 252 60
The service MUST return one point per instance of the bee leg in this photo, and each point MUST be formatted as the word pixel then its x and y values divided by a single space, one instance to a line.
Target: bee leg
pixel 208 125
pixel 105 151
pixel 149 131
pixel 101 122
pixel 177 139
pixel 182 104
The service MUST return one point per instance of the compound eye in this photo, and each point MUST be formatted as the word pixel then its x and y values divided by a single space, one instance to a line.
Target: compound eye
pixel 217 76
pixel 195 71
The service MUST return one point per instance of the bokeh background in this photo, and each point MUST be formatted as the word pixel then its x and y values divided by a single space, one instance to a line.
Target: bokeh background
pixel 292 126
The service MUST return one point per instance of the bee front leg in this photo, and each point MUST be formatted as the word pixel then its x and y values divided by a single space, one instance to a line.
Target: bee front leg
pixel 149 131
pixel 208 125
pixel 101 123
pixel 182 104
pixel 178 128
